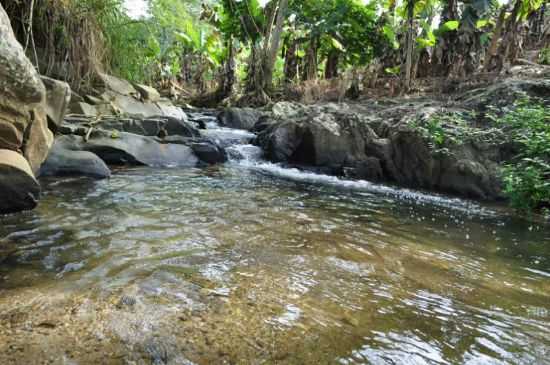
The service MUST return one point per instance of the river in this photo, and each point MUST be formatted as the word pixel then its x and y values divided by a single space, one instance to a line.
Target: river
pixel 254 263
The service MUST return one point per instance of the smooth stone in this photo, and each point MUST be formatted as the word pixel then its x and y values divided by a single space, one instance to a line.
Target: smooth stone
pixel 19 190
pixel 209 152
pixel 117 85
pixel 121 148
pixel 167 109
pixel 147 92
pixel 62 161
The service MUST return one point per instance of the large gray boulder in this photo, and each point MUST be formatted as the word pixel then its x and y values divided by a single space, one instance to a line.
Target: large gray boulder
pixel 117 85
pixel 344 141
pixel 318 139
pixel 121 148
pixel 23 123
pixel 58 97
pixel 64 161
pixel 147 93
pixel 19 190
pixel 239 118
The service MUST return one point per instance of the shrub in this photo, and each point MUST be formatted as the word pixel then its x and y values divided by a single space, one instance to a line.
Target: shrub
pixel 527 176
pixel 544 56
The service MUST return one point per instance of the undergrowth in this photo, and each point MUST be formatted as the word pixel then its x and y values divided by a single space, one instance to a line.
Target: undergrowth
pixel 527 176
pixel 525 126
pixel 445 130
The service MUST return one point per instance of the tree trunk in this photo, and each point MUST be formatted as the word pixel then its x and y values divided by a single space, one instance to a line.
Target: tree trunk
pixel 273 46
pixel 291 62
pixel 331 68
pixel 228 73
pixel 310 66
pixel 492 51
pixel 536 27
pixel 410 43
pixel 509 47
pixel 446 53
pixel 252 73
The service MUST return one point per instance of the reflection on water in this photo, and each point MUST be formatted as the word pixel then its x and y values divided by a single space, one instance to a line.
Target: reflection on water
pixel 229 264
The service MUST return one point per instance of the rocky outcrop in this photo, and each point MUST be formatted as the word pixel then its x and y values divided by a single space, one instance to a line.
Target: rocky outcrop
pixel 156 142
pixel 152 127
pixel 23 123
pixel 131 149
pixel 505 93
pixel 118 97
pixel 382 142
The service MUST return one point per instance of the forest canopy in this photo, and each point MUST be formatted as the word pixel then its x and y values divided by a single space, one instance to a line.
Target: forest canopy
pixel 259 48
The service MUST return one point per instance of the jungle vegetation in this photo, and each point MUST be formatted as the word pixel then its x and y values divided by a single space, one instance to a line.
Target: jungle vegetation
pixel 260 48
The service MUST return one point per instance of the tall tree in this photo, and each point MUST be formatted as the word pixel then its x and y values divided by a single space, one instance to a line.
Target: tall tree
pixel 409 43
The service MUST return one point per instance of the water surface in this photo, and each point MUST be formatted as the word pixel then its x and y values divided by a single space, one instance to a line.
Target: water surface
pixel 232 264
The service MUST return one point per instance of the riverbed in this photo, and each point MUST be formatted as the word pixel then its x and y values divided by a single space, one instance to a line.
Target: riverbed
pixel 254 263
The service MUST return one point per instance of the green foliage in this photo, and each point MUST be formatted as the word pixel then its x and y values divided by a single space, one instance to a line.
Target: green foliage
pixel 527 177
pixel 449 26
pixel 432 129
pixel 544 56
pixel 347 26
pixel 152 48
pixel 527 185
pixel 447 129
pixel 391 36
pixel 395 71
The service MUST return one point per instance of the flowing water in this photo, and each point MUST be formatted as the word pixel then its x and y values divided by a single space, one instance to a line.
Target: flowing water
pixel 254 263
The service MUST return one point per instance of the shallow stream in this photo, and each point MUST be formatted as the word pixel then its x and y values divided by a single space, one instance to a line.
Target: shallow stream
pixel 253 263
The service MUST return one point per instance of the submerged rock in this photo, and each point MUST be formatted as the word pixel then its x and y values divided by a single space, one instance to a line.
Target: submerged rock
pixel 19 190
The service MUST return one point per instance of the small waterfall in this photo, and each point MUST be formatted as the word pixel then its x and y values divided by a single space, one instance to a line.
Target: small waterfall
pixel 242 154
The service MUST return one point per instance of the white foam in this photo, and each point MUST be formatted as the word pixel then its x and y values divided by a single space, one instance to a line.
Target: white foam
pixel 245 152
pixel 295 174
